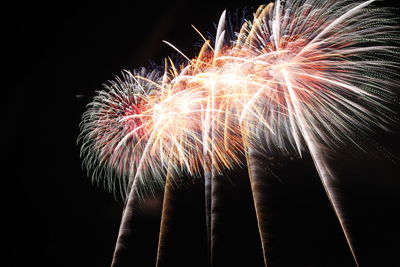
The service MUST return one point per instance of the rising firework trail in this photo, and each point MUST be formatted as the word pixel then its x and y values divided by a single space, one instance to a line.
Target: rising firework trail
pixel 167 210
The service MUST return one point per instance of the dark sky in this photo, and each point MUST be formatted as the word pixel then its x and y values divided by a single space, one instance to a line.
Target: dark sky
pixel 54 216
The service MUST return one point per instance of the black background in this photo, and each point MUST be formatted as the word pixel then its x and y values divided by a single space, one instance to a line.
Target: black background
pixel 59 54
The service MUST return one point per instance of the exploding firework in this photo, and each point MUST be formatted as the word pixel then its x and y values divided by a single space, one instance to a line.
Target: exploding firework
pixel 146 124
pixel 323 67
pixel 135 128
pixel 324 70
pixel 114 130
pixel 303 75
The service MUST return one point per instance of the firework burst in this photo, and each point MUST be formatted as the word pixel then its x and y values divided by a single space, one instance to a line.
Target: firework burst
pixel 146 124
pixel 324 67
pixel 114 132
pixel 323 70
pixel 303 75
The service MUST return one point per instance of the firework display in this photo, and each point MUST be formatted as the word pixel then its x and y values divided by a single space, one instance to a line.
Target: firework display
pixel 301 76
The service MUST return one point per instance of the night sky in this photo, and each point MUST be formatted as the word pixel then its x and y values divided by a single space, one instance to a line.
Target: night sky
pixel 58 55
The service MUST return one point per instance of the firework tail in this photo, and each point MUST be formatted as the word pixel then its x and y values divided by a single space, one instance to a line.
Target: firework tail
pixel 208 177
pixel 258 182
pixel 126 226
pixel 165 218
pixel 324 172
pixel 207 195
pixel 327 180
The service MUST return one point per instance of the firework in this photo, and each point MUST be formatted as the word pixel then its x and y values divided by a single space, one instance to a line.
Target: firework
pixel 315 75
pixel 114 130
pixel 303 75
